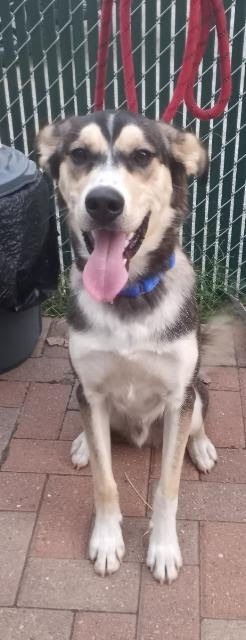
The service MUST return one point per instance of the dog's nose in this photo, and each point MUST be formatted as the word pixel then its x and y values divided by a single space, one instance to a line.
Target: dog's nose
pixel 104 204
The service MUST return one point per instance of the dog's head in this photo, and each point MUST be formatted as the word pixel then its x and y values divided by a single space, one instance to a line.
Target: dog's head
pixel 123 178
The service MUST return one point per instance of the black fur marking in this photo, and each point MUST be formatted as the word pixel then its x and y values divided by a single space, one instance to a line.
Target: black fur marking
pixel 186 321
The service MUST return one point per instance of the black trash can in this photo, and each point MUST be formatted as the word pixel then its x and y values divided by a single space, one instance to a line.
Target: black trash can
pixel 29 261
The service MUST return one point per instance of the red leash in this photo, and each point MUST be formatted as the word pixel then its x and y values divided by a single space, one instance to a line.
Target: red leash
pixel 203 15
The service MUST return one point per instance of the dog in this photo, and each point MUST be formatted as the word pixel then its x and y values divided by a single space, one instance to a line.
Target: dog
pixel 134 337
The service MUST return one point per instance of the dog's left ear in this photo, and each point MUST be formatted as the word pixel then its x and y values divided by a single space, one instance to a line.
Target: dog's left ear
pixel 185 148
pixel 49 146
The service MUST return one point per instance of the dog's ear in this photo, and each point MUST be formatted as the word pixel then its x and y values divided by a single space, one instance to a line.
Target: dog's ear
pixel 185 148
pixel 49 147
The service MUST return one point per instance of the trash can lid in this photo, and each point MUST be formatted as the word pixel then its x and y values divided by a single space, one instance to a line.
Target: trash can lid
pixel 16 170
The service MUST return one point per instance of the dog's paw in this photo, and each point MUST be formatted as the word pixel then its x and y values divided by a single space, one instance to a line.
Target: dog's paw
pixel 203 453
pixel 164 560
pixel 106 546
pixel 79 451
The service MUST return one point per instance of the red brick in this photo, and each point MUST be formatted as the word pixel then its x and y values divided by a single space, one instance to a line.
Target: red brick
pixel 231 467
pixel 73 584
pixel 223 378
pixel 135 463
pixel 223 570
pixel 240 343
pixel 189 472
pixel 12 394
pixel 209 501
pixel 63 524
pixel 136 540
pixel 20 491
pixel 104 626
pixel 41 370
pixel 73 404
pixel 224 422
pixel 46 322
pixel 8 421
pixel 43 411
pixel 72 425
pixel 15 534
pixel 35 624
pixel 170 612
pixel 41 456
pixel 226 629
pixel 212 501
pixel 242 377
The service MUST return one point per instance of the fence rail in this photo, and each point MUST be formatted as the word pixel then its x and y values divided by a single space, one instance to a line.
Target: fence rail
pixel 47 71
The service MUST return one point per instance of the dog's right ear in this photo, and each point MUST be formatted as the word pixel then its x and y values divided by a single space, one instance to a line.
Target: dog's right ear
pixel 49 147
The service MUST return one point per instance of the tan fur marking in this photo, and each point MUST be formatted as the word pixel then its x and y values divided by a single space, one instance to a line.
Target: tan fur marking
pixel 92 137
pixel 171 472
pixel 47 144
pixel 130 138
pixel 188 150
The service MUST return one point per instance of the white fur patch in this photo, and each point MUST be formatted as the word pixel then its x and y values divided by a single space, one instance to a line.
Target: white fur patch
pixel 80 452
pixel 106 544
pixel 164 556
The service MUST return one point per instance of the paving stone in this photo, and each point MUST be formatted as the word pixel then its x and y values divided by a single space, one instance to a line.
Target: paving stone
pixel 226 629
pixel 223 378
pixel 224 422
pixel 55 351
pixel 72 425
pixel 73 584
pixel 41 370
pixel 170 612
pixel 20 491
pixel 73 404
pixel 240 342
pixel 135 463
pixel 231 467
pixel 35 624
pixel 223 570
pixel 189 472
pixel 12 394
pixel 8 418
pixel 43 411
pixel 104 626
pixel 216 501
pixel 15 534
pixel 41 456
pixel 63 524
pixel 46 323
pixel 242 377
pixel 134 530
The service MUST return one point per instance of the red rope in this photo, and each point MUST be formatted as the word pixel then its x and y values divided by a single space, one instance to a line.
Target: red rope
pixel 203 14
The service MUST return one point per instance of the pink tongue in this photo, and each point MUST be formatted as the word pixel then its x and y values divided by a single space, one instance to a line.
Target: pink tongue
pixel 105 273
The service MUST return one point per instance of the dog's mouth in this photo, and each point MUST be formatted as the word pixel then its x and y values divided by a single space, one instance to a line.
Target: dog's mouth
pixel 106 270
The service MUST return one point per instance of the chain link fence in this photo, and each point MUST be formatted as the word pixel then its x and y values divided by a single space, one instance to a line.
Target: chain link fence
pixel 48 54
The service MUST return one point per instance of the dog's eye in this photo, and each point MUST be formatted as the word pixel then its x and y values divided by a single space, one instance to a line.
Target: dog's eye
pixel 79 155
pixel 142 157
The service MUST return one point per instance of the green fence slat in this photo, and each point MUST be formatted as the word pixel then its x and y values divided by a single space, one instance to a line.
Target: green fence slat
pixel 24 65
pixel 78 37
pixel 64 21
pixel 37 56
pixel 50 37
pixel 10 63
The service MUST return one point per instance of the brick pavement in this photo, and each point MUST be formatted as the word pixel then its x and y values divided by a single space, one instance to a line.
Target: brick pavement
pixel 48 587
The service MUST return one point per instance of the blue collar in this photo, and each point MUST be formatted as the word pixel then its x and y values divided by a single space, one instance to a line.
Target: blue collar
pixel 147 285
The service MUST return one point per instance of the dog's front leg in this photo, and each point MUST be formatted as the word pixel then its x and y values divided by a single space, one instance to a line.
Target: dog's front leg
pixel 106 544
pixel 164 557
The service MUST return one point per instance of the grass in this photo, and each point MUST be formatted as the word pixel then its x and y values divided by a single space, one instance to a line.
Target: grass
pixel 210 297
